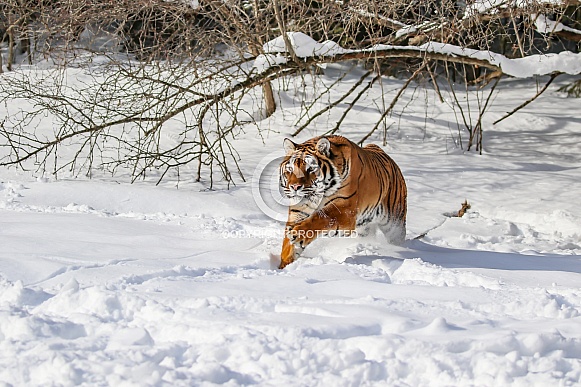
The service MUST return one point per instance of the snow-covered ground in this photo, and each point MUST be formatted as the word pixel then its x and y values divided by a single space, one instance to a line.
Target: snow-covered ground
pixel 103 282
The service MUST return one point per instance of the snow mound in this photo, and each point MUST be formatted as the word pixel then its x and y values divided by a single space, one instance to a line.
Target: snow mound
pixel 417 272
pixel 303 45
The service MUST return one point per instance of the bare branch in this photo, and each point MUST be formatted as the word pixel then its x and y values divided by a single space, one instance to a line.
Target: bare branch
pixel 551 79
pixel 392 104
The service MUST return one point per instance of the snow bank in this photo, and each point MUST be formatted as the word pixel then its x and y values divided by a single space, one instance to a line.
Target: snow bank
pixel 304 47
pixel 565 62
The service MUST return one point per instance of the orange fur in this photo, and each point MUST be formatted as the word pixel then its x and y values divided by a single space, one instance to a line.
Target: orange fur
pixel 341 187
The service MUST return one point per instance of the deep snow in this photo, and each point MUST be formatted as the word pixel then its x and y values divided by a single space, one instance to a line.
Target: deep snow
pixel 107 283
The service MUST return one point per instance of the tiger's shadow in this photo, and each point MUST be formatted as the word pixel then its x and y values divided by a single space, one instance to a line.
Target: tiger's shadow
pixel 461 258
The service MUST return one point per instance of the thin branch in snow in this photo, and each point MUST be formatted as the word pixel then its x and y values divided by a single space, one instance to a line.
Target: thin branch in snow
pixel 551 79
pixel 393 102
pixel 335 103
pixel 352 104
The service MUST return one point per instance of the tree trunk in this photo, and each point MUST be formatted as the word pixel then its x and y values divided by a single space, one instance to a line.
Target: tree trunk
pixel 269 99
pixel 11 44
pixel 267 92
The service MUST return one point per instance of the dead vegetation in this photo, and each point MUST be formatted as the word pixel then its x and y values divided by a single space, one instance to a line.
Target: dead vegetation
pixel 154 64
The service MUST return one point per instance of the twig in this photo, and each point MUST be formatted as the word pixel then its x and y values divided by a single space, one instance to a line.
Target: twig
pixel 332 105
pixel 465 207
pixel 393 102
pixel 478 127
pixel 553 76
pixel 352 104
pixel 328 88
pixel 457 103
pixel 460 213
pixel 435 83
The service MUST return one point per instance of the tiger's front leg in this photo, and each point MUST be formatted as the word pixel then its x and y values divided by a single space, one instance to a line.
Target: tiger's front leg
pixel 288 254
pixel 300 235
pixel 295 241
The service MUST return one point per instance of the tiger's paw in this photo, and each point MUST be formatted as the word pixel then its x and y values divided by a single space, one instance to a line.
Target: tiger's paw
pixel 299 237
pixel 286 259
pixel 288 254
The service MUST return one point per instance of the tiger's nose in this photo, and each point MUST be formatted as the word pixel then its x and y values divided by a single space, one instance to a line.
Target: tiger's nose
pixel 296 187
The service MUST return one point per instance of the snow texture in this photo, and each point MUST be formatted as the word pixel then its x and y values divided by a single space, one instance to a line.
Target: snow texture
pixel 108 283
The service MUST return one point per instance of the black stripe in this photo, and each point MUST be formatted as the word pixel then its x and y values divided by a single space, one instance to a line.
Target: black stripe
pixel 302 212
pixel 342 197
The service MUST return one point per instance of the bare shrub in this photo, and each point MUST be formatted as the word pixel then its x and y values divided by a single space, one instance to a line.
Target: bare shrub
pixel 121 73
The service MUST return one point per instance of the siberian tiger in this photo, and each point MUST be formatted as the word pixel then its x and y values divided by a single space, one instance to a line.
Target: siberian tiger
pixel 338 187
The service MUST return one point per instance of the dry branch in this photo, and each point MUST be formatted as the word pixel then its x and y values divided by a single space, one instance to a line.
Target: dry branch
pixel 551 79
pixel 332 105
pixel 392 104
pixel 352 103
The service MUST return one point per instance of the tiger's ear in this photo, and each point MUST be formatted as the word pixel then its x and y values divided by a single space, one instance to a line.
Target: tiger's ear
pixel 323 146
pixel 289 146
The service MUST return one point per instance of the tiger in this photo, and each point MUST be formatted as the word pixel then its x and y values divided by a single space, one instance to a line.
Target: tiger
pixel 336 187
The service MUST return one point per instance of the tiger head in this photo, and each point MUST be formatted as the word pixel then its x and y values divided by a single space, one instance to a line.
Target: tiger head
pixel 307 171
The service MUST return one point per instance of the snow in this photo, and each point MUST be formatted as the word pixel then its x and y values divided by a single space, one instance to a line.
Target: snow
pixel 103 282
pixel 565 61
pixel 545 25
pixel 481 7
pixel 303 46
pixel 527 67
pixel 405 30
